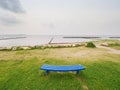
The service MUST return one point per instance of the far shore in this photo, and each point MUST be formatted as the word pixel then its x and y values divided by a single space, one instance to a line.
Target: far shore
pixel 84 37
pixel 11 38
pixel 49 45
pixel 60 45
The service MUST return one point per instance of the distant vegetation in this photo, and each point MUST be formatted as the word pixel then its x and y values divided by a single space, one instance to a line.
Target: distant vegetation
pixel 91 45
pixel 17 48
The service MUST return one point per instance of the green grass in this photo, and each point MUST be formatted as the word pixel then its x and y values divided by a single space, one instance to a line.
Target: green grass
pixel 103 76
pixel 25 75
pixel 115 45
pixel 20 70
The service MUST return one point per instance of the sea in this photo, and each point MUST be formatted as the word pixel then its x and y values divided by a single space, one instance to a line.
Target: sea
pixel 32 40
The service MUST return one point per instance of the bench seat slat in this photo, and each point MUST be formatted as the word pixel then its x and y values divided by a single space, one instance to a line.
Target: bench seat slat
pixel 62 68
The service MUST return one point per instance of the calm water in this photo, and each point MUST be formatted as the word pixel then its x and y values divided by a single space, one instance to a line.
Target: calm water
pixel 32 40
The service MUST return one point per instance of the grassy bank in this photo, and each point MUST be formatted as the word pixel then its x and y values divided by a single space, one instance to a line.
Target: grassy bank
pixel 115 44
pixel 19 70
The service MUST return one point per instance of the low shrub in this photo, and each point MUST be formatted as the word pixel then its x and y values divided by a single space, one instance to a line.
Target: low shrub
pixel 91 45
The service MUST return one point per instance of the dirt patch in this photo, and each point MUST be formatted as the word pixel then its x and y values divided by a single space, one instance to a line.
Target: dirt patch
pixel 84 86
pixel 110 50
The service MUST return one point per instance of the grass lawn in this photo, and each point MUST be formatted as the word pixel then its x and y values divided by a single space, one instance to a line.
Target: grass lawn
pixel 19 70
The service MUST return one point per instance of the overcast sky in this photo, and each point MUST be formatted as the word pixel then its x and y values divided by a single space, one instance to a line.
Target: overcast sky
pixel 60 17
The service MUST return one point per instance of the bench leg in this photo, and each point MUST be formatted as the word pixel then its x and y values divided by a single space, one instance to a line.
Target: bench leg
pixel 47 72
pixel 77 72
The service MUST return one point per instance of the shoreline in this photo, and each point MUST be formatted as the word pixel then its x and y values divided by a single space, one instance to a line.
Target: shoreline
pixel 57 45
pixel 43 46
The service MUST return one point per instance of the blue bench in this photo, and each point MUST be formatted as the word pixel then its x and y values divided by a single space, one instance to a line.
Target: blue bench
pixel 65 68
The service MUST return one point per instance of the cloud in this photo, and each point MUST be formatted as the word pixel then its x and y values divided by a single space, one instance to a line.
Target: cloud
pixel 12 5
pixel 10 12
pixel 8 19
